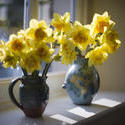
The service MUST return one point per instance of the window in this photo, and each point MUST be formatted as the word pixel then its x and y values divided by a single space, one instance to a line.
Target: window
pixel 11 20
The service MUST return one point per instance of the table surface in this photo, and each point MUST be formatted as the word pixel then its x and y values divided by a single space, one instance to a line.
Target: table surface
pixel 61 110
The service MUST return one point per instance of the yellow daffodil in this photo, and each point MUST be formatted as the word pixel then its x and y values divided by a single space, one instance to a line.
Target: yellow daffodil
pixel 110 40
pixel 111 48
pixel 38 30
pixel 44 53
pixel 100 22
pixel 30 62
pixel 61 23
pixel 15 44
pixel 81 36
pixel 26 40
pixel 67 50
pixel 9 60
pixel 97 56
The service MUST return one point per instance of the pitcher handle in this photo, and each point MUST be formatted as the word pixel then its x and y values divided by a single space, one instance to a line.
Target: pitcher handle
pixel 12 97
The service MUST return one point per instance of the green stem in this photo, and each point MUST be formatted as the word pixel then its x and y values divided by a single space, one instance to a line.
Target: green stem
pixel 24 72
pixel 46 69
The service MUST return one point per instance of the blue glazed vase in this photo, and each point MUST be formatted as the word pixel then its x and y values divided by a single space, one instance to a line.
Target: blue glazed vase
pixel 33 95
pixel 82 82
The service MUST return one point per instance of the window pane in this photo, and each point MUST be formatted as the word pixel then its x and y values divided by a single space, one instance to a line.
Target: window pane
pixel 11 20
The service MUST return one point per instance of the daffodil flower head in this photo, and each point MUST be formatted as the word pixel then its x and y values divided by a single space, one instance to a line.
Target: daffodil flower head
pixel 15 44
pixel 44 53
pixel 111 48
pixel 30 62
pixel 61 23
pixel 67 50
pixel 110 40
pixel 27 41
pixel 97 56
pixel 38 30
pixel 100 22
pixel 9 60
pixel 81 36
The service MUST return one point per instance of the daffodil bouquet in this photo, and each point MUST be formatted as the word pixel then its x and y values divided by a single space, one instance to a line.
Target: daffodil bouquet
pixel 28 48
pixel 94 41
pixel 31 47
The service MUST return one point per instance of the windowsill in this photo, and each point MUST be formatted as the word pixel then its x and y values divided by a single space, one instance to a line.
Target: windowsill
pixel 56 108
pixel 59 107
pixel 54 80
